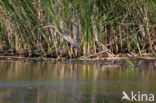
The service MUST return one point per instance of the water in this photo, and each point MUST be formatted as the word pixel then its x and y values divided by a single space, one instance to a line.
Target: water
pixel 74 82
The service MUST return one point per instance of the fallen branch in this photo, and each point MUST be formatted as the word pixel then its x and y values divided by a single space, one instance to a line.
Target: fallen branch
pixel 92 55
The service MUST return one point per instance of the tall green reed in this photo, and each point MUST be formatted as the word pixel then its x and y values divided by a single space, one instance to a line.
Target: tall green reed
pixel 96 25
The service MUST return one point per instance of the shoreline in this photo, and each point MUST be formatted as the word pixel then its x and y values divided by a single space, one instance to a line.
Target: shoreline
pixel 61 59
pixel 107 62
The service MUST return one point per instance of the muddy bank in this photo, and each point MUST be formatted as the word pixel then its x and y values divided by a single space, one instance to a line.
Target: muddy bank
pixel 14 58
pixel 146 56
pixel 107 62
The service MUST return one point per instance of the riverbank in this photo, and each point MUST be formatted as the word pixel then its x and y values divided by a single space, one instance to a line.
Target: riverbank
pixel 147 56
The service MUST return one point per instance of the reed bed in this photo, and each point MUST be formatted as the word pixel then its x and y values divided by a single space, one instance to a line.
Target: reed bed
pixel 74 28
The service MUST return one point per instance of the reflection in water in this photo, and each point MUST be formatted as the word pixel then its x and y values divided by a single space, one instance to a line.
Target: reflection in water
pixel 31 82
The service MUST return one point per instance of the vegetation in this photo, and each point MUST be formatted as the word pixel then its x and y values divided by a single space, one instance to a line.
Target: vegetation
pixel 73 28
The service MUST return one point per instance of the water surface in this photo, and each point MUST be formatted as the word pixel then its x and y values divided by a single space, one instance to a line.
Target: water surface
pixel 74 82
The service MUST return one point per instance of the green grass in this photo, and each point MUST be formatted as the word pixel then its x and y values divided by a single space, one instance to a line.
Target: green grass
pixel 120 26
